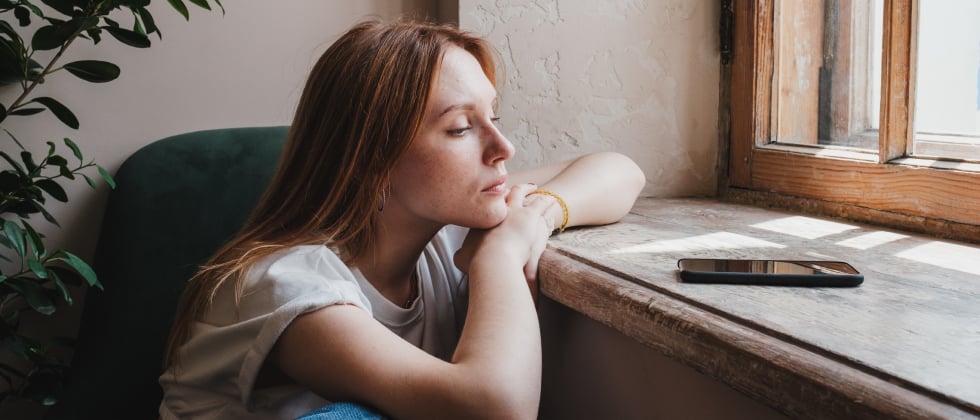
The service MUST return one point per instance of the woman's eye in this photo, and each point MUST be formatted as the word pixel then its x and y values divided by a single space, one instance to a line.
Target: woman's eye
pixel 458 131
pixel 495 121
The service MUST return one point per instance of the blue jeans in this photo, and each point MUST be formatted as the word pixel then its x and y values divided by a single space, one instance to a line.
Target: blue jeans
pixel 342 411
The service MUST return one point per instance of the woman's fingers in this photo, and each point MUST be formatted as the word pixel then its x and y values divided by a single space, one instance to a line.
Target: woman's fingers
pixel 518 193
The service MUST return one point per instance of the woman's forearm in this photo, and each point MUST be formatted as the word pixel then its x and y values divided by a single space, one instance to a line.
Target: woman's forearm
pixel 598 188
pixel 500 345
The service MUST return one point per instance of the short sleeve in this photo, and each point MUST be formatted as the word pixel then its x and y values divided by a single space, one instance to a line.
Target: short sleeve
pixel 304 280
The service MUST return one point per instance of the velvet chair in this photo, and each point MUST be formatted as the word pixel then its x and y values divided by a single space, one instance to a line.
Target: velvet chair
pixel 177 200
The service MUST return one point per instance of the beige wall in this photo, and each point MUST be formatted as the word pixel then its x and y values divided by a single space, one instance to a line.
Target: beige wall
pixel 638 77
pixel 245 68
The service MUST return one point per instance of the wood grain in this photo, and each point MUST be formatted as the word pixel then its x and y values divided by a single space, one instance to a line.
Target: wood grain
pixel 939 194
pixel 904 344
pixel 897 80
pixel 929 190
pixel 750 86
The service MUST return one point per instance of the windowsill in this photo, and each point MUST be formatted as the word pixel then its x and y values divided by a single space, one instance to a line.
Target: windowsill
pixel 903 344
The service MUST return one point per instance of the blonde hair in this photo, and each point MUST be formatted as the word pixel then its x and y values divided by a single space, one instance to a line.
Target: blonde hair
pixel 363 103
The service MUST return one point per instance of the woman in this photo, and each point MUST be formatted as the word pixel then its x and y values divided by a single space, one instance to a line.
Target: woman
pixel 352 280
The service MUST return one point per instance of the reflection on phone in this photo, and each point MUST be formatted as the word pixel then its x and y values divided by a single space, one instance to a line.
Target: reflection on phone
pixel 769 267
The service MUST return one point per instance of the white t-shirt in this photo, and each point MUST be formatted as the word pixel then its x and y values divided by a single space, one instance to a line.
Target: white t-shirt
pixel 227 348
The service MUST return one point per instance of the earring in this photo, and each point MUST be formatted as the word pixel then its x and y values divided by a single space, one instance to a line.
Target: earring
pixel 384 197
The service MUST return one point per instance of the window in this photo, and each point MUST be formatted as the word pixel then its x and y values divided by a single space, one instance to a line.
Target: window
pixel 815 122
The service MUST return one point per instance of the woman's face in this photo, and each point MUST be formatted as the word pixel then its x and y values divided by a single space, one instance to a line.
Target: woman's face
pixel 453 173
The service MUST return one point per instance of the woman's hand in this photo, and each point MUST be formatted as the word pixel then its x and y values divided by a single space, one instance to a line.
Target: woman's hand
pixel 523 234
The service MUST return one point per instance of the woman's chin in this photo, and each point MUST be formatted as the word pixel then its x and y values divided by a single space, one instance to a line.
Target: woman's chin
pixel 491 218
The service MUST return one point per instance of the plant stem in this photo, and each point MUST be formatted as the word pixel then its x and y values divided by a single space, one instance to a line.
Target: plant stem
pixel 47 70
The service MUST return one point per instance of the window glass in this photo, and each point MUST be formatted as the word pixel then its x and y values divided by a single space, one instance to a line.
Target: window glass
pixel 947 99
pixel 826 72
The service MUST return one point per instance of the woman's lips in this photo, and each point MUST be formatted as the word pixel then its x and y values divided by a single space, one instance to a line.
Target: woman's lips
pixel 498 187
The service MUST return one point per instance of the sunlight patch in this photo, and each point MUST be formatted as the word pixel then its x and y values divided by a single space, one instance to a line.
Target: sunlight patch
pixel 711 241
pixel 945 255
pixel 871 240
pixel 804 227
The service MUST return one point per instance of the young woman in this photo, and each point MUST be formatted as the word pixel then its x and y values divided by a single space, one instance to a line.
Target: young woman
pixel 390 259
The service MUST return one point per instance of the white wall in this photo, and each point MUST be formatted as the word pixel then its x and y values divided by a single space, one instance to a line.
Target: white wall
pixel 639 77
pixel 245 68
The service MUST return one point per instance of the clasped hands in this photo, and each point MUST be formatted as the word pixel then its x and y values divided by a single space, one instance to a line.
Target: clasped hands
pixel 524 233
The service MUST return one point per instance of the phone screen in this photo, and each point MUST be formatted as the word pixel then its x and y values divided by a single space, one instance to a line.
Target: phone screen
pixel 768 266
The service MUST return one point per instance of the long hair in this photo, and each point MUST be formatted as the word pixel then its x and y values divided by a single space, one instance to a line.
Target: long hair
pixel 363 104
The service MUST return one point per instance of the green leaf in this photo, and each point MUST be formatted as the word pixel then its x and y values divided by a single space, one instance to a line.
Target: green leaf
pixel 65 172
pixel 108 178
pixel 128 37
pixel 44 212
pixel 6 242
pixel 37 268
pixel 9 182
pixel 25 111
pixel 181 8
pixel 95 34
pixel 59 110
pixel 16 237
pixel 88 181
pixel 201 3
pixel 23 15
pixel 65 7
pixel 57 160
pixel 34 9
pixel 34 294
pixel 36 242
pixel 93 70
pixel 148 22
pixel 29 164
pixel 65 294
pixel 137 25
pixel 14 138
pixel 11 70
pixel 13 163
pixel 53 189
pixel 81 267
pixel 65 275
pixel 53 36
pixel 74 148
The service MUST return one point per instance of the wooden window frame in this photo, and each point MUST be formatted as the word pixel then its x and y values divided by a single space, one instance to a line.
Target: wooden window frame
pixel 935 196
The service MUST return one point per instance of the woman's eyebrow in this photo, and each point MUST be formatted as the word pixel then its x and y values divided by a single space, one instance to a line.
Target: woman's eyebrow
pixel 453 107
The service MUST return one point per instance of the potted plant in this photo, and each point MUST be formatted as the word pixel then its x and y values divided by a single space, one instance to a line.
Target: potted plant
pixel 33 278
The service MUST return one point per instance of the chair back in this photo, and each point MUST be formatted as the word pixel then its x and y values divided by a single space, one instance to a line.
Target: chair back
pixel 176 201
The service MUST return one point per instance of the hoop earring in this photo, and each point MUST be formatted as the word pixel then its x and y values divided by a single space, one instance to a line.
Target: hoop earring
pixel 384 197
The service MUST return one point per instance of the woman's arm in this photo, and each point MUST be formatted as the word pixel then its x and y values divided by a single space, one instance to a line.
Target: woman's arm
pixel 599 188
pixel 343 354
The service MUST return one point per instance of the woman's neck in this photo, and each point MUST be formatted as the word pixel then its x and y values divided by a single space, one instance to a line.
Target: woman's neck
pixel 390 260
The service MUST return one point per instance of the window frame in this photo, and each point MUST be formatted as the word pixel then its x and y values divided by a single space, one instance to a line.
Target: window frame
pixel 935 196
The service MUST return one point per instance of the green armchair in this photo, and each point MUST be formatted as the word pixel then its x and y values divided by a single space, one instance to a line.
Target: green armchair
pixel 177 200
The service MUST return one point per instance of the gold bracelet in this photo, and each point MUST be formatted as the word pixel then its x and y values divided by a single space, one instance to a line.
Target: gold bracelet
pixel 564 208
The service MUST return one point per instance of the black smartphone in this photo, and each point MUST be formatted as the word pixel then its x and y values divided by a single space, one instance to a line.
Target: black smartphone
pixel 770 272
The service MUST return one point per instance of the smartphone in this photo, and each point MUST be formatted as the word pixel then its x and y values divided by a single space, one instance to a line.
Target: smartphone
pixel 770 272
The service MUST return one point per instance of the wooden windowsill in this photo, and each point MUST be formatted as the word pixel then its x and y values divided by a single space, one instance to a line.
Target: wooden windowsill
pixel 904 344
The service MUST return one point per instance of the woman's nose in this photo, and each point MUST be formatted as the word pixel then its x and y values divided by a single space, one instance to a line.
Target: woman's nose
pixel 497 147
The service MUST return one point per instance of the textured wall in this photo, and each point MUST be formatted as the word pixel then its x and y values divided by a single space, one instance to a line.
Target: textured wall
pixel 246 68
pixel 638 77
